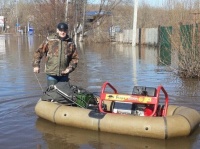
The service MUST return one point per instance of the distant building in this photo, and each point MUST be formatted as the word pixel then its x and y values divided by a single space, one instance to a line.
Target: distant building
pixel 92 15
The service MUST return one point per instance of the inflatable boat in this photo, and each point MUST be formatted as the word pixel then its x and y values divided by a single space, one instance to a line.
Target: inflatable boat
pixel 138 114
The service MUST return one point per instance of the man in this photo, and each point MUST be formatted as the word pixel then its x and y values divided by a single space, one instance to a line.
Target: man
pixel 61 56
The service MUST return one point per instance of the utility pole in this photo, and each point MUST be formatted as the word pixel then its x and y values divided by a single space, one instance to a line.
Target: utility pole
pixel 66 10
pixel 135 23
pixel 17 25
pixel 83 25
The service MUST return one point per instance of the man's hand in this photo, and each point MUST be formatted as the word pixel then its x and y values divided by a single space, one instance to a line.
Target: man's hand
pixel 66 71
pixel 36 69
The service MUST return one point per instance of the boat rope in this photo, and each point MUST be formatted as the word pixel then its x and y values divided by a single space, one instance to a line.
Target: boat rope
pixel 38 82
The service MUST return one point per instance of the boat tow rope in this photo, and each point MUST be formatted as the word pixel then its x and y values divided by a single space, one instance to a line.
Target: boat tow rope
pixel 67 96
pixel 39 82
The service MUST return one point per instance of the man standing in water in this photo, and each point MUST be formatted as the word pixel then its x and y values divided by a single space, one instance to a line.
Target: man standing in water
pixel 61 56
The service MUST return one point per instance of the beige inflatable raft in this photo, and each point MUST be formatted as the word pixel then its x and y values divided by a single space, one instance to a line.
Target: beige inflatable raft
pixel 180 121
pixel 160 122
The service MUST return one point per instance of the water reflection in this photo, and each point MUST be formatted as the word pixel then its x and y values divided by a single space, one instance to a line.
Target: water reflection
pixel 64 137
pixel 116 62
pixel 148 54
pixel 2 45
pixel 30 42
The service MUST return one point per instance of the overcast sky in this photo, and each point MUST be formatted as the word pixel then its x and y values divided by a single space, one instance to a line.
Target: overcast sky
pixel 150 2
pixel 154 2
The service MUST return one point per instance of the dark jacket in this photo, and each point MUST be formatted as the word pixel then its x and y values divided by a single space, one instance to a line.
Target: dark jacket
pixel 60 54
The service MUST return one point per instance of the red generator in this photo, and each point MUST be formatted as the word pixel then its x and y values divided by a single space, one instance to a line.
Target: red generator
pixel 144 101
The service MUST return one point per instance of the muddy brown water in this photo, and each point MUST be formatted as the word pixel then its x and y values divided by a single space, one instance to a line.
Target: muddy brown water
pixel 121 65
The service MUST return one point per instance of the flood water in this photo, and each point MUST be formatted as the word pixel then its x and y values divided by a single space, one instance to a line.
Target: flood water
pixel 121 65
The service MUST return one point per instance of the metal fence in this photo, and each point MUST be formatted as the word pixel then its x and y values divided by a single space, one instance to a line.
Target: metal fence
pixel 146 36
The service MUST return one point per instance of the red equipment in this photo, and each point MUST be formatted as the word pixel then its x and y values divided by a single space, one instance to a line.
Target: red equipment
pixel 148 103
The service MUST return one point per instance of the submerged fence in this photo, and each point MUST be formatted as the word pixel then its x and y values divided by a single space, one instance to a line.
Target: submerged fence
pixel 144 36
pixel 147 36
pixel 162 36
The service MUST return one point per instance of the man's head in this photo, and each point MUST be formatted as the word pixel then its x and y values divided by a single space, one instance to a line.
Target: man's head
pixel 62 29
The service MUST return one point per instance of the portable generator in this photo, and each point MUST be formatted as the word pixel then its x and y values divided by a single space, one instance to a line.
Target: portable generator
pixel 144 101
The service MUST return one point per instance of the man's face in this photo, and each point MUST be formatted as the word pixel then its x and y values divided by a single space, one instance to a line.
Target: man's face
pixel 62 34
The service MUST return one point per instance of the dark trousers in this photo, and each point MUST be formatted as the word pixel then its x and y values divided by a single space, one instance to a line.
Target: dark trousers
pixel 51 80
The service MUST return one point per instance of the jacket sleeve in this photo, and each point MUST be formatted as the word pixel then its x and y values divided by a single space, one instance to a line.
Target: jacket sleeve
pixel 39 53
pixel 73 58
